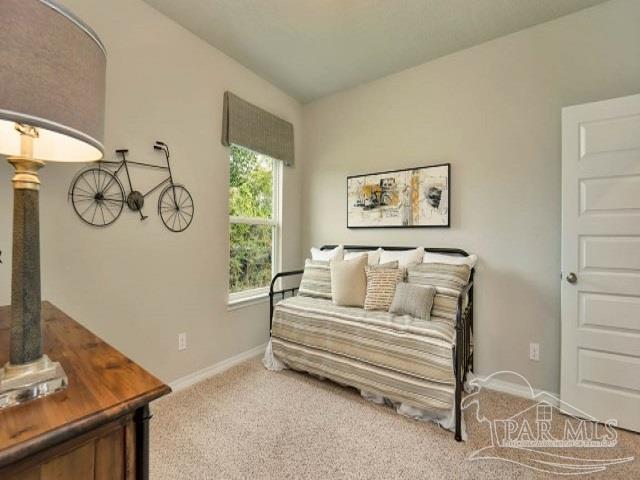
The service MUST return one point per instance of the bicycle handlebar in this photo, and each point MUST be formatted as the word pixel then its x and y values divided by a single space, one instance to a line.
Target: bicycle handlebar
pixel 162 146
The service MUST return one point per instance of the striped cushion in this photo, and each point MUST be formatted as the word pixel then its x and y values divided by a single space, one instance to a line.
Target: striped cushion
pixel 316 279
pixel 448 280
pixel 381 287
pixel 397 386
pixel 402 343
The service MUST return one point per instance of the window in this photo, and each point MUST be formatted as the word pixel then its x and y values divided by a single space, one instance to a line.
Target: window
pixel 254 230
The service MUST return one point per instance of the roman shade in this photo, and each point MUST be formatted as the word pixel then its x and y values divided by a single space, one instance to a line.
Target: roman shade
pixel 252 127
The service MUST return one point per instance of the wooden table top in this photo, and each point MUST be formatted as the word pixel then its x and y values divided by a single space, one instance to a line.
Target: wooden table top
pixel 103 385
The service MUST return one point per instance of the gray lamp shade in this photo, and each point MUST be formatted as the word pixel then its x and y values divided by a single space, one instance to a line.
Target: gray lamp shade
pixel 52 77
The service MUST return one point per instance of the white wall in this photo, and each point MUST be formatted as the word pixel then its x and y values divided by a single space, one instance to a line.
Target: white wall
pixel 136 284
pixel 493 112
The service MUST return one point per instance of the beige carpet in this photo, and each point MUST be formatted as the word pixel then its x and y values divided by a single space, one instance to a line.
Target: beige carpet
pixel 252 423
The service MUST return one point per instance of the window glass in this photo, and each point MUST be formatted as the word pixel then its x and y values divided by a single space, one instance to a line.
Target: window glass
pixel 250 184
pixel 250 259
pixel 253 221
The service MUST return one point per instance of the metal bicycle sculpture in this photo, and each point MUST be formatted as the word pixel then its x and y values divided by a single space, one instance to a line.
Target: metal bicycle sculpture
pixel 98 196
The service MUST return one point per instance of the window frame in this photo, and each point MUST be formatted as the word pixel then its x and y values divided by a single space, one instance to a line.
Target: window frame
pixel 254 295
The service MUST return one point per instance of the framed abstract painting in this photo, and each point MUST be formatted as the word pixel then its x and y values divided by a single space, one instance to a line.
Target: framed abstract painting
pixel 409 198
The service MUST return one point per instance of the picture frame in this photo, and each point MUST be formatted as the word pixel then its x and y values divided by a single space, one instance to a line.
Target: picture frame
pixel 418 197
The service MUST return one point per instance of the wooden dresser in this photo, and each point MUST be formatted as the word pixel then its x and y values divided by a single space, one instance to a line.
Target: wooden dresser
pixel 95 429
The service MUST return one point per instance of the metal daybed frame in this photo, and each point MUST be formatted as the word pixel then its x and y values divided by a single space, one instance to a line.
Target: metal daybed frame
pixel 462 350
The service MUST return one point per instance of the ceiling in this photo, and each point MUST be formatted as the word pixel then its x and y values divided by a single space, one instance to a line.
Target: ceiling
pixel 312 48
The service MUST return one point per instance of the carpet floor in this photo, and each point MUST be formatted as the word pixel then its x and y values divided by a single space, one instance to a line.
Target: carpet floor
pixel 252 423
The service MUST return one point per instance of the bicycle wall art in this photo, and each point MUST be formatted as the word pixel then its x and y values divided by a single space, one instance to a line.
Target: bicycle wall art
pixel 98 195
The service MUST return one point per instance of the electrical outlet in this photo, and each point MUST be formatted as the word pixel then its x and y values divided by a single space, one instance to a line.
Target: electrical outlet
pixel 534 351
pixel 182 341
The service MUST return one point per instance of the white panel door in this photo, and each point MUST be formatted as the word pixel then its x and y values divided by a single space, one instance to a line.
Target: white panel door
pixel 600 367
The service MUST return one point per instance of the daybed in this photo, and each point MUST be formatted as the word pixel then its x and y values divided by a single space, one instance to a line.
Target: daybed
pixel 418 366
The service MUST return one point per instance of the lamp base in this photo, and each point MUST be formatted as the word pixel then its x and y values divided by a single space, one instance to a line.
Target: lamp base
pixel 21 383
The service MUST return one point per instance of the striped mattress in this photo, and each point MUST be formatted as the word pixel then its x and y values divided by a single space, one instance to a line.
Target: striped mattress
pixel 397 356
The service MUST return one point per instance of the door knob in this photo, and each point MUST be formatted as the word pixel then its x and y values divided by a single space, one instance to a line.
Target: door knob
pixel 572 278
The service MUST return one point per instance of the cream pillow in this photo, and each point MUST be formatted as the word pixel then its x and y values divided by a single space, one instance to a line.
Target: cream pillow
pixel 349 282
pixel 373 256
pixel 327 255
pixel 393 264
pixel 404 257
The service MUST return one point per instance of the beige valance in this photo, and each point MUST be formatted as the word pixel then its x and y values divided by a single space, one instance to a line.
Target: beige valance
pixel 249 126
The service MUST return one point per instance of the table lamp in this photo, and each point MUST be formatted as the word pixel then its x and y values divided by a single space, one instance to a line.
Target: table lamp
pixel 52 91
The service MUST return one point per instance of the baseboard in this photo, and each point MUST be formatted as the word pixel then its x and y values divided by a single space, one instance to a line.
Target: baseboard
pixel 495 384
pixel 215 369
pixel 517 389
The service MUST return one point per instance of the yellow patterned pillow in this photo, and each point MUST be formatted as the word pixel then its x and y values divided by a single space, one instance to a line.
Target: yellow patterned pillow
pixel 381 287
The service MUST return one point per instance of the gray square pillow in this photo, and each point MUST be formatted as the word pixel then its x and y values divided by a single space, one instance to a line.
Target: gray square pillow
pixel 414 300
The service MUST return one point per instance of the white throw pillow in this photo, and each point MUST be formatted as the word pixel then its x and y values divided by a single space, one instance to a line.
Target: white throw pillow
pixel 327 255
pixel 404 257
pixel 373 256
pixel 429 257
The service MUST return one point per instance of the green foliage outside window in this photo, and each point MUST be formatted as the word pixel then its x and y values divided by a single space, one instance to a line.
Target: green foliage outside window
pixel 250 196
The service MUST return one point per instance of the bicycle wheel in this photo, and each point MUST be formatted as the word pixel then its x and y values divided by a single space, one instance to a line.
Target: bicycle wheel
pixel 175 207
pixel 97 197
